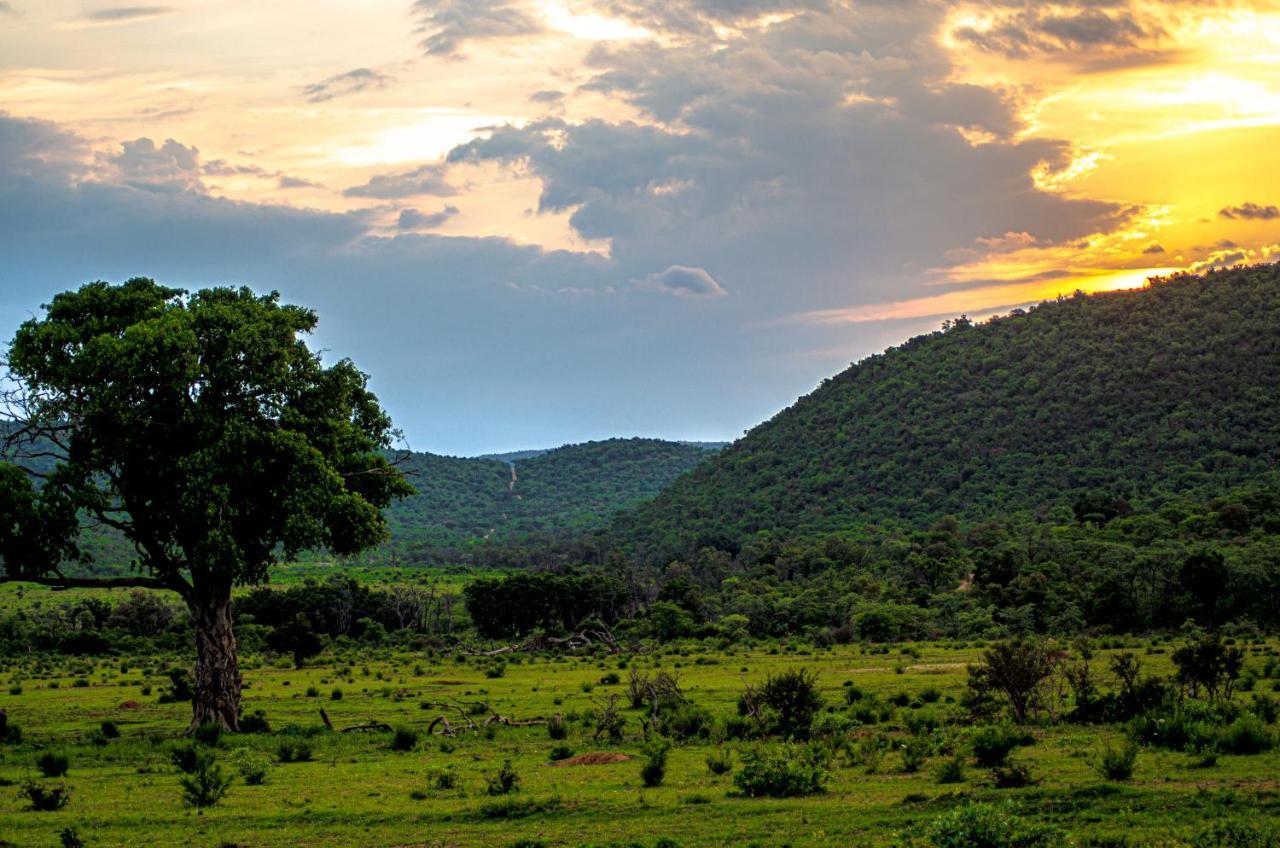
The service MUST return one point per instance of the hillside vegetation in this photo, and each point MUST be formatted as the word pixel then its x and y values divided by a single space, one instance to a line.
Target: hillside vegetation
pixel 1167 390
pixel 463 502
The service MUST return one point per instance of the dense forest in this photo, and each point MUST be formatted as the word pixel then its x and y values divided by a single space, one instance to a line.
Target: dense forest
pixel 1135 395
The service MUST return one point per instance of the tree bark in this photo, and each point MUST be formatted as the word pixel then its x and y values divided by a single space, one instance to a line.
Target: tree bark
pixel 217 676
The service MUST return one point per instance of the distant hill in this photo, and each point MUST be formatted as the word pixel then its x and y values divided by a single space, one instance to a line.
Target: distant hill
pixel 464 502
pixel 517 456
pixel 1171 389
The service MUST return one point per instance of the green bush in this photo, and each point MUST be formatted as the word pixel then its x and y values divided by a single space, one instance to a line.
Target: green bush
pixel 293 752
pixel 404 739
pixel 987 826
pixel 950 771
pixel 782 771
pixel 209 733
pixel 1237 834
pixel 914 753
pixel 992 744
pixel 44 798
pixel 559 752
pixel 1117 763
pixel 1012 776
pixel 185 757
pixel 1183 726
pixel 252 766
pixel 557 728
pixel 51 764
pixel 1245 735
pixel 444 778
pixel 206 784
pixel 720 761
pixel 654 769
pixel 109 730
pixel 255 722
pixel 503 782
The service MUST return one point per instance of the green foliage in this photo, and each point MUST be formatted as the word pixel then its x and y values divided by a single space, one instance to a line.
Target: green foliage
pixel 985 826
pixel 404 739
pixel 950 770
pixel 782 771
pixel 557 728
pixel 720 761
pixel 1116 763
pixel 294 752
pixel 992 744
pixel 53 764
pixel 46 798
pixel 654 769
pixel 522 603
pixel 252 766
pixel 1246 735
pixel 206 784
pixel 504 781
pixel 1237 834
pixel 793 701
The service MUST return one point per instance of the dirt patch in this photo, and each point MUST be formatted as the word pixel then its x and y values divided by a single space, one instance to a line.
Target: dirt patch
pixel 599 758
pixel 131 705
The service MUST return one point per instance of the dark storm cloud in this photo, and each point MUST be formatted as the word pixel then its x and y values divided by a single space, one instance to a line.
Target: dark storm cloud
pixel 1250 212
pixel 345 84
pixel 447 25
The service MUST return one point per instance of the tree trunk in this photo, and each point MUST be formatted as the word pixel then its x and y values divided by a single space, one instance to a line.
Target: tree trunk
pixel 217 677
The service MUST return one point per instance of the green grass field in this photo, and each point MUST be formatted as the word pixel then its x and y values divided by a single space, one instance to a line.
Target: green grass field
pixel 358 791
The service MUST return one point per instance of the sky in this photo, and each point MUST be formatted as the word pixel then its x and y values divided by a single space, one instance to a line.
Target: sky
pixel 535 222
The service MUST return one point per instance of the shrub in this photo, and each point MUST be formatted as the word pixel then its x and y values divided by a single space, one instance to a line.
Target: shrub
pixel 914 753
pixel 793 699
pixel 503 782
pixel 1237 834
pixel 720 761
pixel 1012 776
pixel 1184 726
pixel 444 778
pixel 686 721
pixel 184 757
pixel 1266 708
pixel 252 766
pixel 992 744
pixel 404 739
pixel 109 730
pixel 950 771
pixel 209 733
pixel 335 695
pixel 557 728
pixel 293 752
pixel 1117 763
pixel 205 785
pixel 46 798
pixel 559 752
pixel 783 771
pixel 70 838
pixel 52 764
pixel 988 826
pixel 1245 735
pixel 654 769
pixel 255 722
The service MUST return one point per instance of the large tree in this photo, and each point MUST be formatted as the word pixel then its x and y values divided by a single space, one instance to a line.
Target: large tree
pixel 202 429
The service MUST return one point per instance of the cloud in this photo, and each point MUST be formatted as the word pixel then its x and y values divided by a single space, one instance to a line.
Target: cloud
pixel 1250 212
pixel 1094 35
pixel 1153 249
pixel 124 14
pixel 448 24
pixel 701 17
pixel 345 84
pixel 9 9
pixel 170 167
pixel 546 96
pixel 425 179
pixel 682 281
pixel 285 181
pixel 412 219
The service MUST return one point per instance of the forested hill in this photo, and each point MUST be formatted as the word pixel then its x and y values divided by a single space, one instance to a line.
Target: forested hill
pixel 462 502
pixel 1174 388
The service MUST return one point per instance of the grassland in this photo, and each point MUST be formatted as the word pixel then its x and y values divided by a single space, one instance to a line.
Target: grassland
pixel 358 791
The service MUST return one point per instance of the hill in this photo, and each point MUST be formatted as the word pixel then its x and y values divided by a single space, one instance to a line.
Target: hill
pixel 1135 395
pixel 463 502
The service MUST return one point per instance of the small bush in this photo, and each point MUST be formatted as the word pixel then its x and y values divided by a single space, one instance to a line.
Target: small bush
pixel 70 838
pixel 1245 735
pixel 988 826
pixel 209 734
pixel 914 753
pixel 557 728
pixel 46 798
pixel 1012 776
pixel 293 752
pixel 992 744
pixel 1117 763
pixel 252 766
pixel 950 771
pixel 505 781
pixel 559 752
pixel 783 771
pixel 1237 834
pixel 720 761
pixel 52 764
pixel 404 739
pixel 444 778
pixel 335 695
pixel 109 730
pixel 255 722
pixel 206 784
pixel 654 769
pixel 185 757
